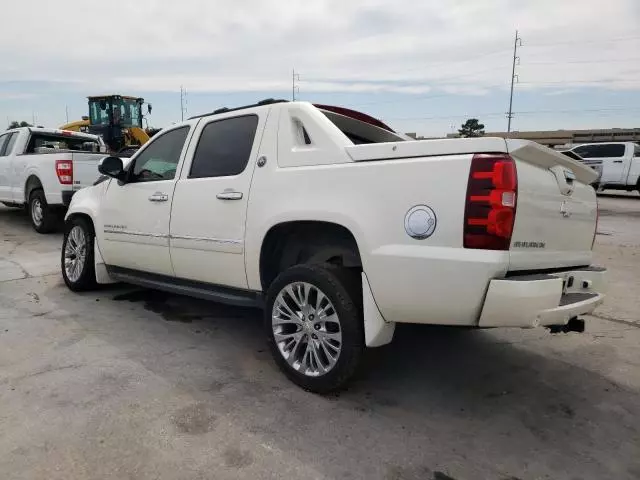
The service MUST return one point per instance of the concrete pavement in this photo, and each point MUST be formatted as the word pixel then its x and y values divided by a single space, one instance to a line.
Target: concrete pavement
pixel 133 384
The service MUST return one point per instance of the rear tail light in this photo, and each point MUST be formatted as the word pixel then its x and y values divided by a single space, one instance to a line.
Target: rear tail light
pixel 64 170
pixel 490 208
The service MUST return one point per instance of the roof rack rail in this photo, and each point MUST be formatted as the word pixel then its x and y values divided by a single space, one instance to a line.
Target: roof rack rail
pixel 267 101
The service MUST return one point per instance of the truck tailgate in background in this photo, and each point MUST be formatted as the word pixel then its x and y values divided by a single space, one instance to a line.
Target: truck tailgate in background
pixel 556 211
pixel 85 169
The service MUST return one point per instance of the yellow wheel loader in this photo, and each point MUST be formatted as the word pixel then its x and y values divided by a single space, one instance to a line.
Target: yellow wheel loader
pixel 117 119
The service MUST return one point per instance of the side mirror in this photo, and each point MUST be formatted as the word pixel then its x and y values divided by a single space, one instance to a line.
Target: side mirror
pixel 149 108
pixel 111 167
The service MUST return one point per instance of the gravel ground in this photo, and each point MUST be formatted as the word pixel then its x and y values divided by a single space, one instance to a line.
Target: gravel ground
pixel 135 384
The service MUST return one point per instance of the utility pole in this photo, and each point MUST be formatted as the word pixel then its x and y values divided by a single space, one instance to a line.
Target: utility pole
pixel 66 110
pixel 517 43
pixel 183 102
pixel 295 78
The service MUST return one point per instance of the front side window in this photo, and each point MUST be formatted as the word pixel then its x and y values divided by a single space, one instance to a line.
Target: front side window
pixel 224 147
pixel 159 160
pixel 605 150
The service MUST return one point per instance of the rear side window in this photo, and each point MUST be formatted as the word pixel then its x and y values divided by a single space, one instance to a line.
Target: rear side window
pixel 224 147
pixel 606 150
pixel 10 143
pixel 3 142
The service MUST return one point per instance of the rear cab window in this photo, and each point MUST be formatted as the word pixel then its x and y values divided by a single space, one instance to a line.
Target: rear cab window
pixel 362 131
pixel 43 142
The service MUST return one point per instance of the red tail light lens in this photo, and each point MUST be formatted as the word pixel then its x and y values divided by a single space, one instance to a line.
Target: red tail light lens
pixel 490 209
pixel 64 171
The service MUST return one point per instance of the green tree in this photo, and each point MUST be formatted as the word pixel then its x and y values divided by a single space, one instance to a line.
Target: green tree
pixel 16 124
pixel 471 128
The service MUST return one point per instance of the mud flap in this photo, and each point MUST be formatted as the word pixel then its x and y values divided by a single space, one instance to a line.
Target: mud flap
pixel 377 331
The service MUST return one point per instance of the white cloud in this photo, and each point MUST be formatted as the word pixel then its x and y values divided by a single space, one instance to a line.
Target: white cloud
pixel 246 45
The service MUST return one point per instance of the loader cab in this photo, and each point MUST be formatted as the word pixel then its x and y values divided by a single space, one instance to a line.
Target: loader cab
pixel 109 115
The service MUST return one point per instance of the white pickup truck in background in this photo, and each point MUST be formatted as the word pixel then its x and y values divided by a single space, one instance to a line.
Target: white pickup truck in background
pixel 617 162
pixel 42 169
pixel 340 228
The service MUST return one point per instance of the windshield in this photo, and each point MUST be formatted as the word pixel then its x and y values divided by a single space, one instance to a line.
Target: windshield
pixel 129 113
pixel 126 112
pixel 99 112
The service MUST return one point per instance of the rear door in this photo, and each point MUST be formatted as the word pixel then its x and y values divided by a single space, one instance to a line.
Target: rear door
pixel 613 157
pixel 210 201
pixel 556 209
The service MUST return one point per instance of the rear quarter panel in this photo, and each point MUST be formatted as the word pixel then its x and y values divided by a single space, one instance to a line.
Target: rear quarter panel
pixel 85 169
pixel 433 280
pixel 41 166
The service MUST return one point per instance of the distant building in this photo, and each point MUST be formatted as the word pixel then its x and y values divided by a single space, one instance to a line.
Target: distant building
pixel 557 138
pixel 414 135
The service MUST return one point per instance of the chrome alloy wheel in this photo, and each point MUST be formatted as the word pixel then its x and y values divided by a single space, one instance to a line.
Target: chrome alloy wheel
pixel 306 329
pixel 36 212
pixel 75 253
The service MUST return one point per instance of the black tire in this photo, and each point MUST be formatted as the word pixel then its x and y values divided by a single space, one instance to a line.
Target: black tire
pixel 50 217
pixel 343 288
pixel 87 277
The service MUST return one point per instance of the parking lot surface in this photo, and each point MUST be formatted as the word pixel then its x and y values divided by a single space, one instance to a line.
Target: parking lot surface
pixel 126 383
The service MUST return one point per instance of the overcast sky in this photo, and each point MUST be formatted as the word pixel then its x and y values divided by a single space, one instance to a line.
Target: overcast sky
pixel 422 65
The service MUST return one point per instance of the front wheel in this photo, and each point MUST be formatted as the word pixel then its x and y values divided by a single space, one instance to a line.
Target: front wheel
pixel 78 269
pixel 313 319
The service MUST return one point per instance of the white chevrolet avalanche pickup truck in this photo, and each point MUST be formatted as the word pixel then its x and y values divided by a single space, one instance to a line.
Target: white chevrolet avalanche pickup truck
pixel 340 228
pixel 42 169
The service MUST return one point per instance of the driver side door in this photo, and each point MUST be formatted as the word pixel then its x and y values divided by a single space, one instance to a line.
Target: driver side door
pixel 135 214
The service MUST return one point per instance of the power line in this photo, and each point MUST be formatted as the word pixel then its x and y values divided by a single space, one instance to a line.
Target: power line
pixel 524 112
pixel 431 65
pixel 562 62
pixel 582 42
pixel 596 82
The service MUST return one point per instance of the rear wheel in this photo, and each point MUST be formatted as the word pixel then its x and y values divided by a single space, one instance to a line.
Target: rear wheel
pixel 78 269
pixel 43 217
pixel 313 319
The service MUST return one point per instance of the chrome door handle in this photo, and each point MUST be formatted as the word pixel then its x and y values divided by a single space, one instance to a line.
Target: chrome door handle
pixel 229 195
pixel 159 197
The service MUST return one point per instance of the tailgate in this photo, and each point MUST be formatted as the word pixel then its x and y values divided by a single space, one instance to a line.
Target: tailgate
pixel 556 211
pixel 85 169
